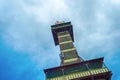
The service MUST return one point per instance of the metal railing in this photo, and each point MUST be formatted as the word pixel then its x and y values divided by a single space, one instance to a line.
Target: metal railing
pixel 81 74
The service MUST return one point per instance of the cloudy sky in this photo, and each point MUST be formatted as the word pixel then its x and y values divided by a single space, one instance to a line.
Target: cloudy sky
pixel 26 42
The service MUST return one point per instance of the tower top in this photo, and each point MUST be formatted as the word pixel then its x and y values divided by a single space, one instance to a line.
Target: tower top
pixel 63 36
pixel 61 26
pixel 59 22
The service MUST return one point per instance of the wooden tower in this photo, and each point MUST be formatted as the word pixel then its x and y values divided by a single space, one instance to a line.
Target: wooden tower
pixel 72 66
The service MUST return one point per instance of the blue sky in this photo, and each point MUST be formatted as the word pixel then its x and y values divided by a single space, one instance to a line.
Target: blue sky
pixel 26 43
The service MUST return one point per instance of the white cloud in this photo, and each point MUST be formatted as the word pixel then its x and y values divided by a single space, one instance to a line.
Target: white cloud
pixel 48 10
pixel 29 28
pixel 116 2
